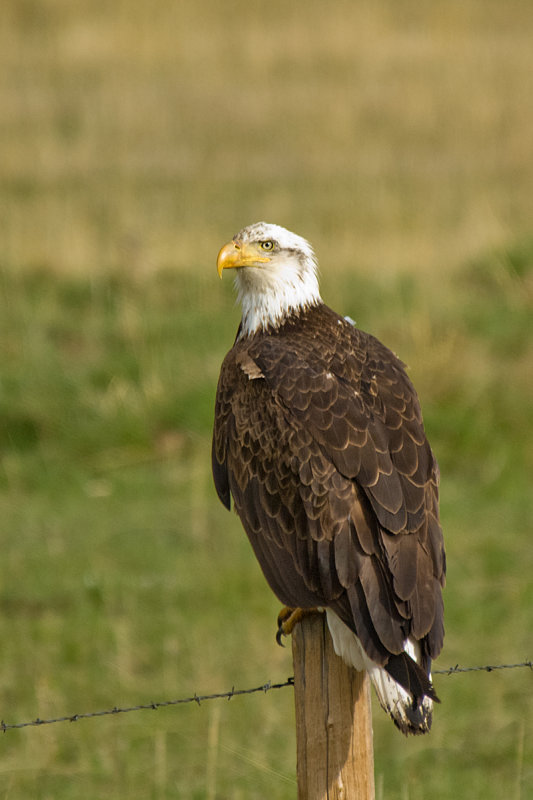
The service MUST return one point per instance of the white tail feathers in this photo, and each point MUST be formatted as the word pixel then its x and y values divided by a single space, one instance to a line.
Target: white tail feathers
pixel 399 705
pixel 411 715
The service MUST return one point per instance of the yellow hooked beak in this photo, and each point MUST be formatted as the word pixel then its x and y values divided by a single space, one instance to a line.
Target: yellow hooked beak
pixel 236 254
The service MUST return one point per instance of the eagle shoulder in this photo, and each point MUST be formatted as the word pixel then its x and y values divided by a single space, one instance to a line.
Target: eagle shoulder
pixel 237 369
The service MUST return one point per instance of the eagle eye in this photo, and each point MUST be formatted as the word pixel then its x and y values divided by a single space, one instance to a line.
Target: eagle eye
pixel 267 245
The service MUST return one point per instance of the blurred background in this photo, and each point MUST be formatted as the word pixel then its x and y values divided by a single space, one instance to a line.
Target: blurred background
pixel 136 138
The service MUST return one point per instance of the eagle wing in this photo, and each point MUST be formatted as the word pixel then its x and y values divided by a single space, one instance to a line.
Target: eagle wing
pixel 319 439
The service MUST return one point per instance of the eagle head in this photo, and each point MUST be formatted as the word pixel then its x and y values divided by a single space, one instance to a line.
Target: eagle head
pixel 276 275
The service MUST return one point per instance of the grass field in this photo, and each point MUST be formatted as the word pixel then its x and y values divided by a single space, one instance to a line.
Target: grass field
pixel 136 138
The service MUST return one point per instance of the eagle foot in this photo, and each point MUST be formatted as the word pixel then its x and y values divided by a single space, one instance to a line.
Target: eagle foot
pixel 288 618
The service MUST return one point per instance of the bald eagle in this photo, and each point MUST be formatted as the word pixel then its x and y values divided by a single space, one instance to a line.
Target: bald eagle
pixel 319 440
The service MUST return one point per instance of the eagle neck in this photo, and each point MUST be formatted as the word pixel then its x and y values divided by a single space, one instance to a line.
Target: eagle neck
pixel 257 323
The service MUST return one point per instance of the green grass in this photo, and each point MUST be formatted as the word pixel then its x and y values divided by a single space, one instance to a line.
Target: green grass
pixel 125 581
pixel 136 138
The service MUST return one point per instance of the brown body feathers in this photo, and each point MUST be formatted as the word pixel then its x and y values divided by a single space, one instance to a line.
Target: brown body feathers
pixel 319 440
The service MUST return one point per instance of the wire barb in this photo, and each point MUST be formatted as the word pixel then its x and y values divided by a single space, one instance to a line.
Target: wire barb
pixel 233 692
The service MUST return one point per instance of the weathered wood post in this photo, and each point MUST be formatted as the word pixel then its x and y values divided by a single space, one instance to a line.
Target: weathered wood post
pixel 335 757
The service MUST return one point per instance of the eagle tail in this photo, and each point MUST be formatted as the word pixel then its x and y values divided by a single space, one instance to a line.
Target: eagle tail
pixel 403 689
pixel 411 712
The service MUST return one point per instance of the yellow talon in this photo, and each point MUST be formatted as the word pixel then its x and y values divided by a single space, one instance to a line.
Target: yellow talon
pixel 288 618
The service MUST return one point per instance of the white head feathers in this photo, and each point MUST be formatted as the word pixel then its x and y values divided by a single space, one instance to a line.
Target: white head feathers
pixel 276 275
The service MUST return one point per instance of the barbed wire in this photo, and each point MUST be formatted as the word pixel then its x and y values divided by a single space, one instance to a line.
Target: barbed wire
pixel 196 698
pixel 199 699
pixel 487 668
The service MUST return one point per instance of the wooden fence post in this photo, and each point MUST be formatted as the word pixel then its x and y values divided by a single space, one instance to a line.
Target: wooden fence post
pixel 335 758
